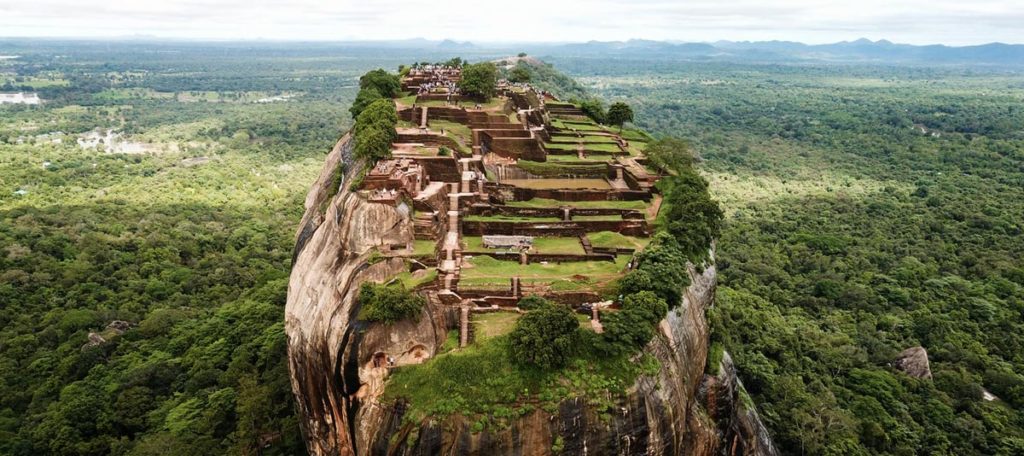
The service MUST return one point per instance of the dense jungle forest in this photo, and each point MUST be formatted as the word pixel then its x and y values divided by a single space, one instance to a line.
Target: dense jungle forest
pixel 869 209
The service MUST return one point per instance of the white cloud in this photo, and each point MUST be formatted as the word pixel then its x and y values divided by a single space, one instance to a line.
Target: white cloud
pixel 913 21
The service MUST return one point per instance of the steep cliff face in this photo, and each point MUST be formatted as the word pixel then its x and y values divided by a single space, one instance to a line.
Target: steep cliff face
pixel 336 380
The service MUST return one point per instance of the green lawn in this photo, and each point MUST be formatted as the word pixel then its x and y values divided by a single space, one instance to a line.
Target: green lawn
pixel 455 130
pixel 599 184
pixel 558 245
pixel 508 218
pixel 611 239
pixel 595 218
pixel 575 159
pixel 492 324
pixel 413 280
pixel 481 267
pixel 483 384
pixel 560 168
pixel 544 202
pixel 423 247
pixel 584 139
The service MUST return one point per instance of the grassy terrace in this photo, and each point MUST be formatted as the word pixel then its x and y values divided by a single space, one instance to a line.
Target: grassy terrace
pixel 584 139
pixel 494 103
pixel 558 168
pixel 423 247
pixel 412 280
pixel 598 184
pixel 544 202
pixel 547 245
pixel 596 218
pixel 489 271
pixel 481 382
pixel 611 239
pixel 552 158
pixel 508 218
pixel 569 125
pixel 493 324
pixel 596 147
pixel 558 245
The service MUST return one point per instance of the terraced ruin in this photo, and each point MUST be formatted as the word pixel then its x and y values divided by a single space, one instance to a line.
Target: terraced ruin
pixel 506 197
pixel 475 207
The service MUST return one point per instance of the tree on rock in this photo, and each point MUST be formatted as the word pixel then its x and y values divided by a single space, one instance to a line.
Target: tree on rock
pixel 619 113
pixel 386 84
pixel 375 130
pixel 388 304
pixel 363 99
pixel 594 109
pixel 519 74
pixel 670 154
pixel 544 337
pixel 478 80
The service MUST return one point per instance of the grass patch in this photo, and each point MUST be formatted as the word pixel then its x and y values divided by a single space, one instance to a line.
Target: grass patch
pixel 544 202
pixel 493 324
pixel 597 218
pixel 557 169
pixel 482 267
pixel 598 184
pixel 611 239
pixel 482 383
pixel 423 247
pixel 508 218
pixel 558 245
pixel 412 280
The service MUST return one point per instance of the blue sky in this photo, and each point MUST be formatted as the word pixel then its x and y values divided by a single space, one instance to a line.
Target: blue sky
pixel 812 21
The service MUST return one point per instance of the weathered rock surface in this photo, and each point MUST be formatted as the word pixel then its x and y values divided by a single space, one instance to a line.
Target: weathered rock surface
pixel 335 375
pixel 914 362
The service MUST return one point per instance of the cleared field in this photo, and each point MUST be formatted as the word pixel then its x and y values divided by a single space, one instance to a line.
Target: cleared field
pixel 598 184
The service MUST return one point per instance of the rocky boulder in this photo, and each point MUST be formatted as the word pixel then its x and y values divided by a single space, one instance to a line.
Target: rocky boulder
pixel 914 362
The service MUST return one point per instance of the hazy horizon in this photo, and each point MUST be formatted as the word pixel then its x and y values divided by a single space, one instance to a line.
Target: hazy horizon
pixel 917 22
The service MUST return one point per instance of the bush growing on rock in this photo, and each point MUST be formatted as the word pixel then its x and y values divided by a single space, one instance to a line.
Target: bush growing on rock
pixel 363 99
pixel 386 84
pixel 388 304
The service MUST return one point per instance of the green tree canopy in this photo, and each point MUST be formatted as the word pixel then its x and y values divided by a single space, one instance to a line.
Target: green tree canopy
pixel 594 109
pixel 363 99
pixel 544 337
pixel 670 154
pixel 519 74
pixel 386 84
pixel 478 80
pixel 619 113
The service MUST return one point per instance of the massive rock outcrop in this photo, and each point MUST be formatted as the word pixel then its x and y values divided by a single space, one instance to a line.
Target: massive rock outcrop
pixel 336 375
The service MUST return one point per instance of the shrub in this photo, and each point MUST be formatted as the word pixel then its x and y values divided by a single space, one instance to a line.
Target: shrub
pixel 544 337
pixel 363 99
pixel 386 84
pixel 533 302
pixel 388 304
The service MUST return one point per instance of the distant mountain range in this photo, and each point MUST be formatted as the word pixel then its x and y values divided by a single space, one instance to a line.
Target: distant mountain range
pixel 862 50
pixel 859 50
